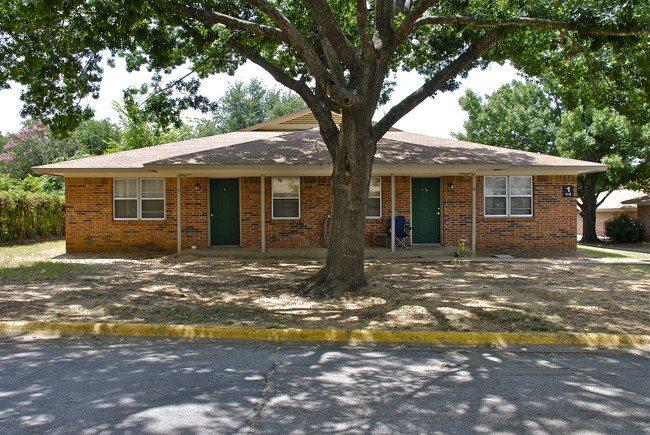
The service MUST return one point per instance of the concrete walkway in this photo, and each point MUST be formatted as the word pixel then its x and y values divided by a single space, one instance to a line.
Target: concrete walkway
pixel 433 253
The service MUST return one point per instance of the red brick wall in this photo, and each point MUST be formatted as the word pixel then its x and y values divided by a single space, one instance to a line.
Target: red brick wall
pixel 90 225
pixel 457 210
pixel 552 226
pixel 250 215
pixel 315 203
pixel 194 211
pixel 402 207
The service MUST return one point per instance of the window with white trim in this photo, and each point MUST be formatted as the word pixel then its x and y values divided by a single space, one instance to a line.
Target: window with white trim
pixel 285 193
pixel 373 210
pixel 139 198
pixel 508 196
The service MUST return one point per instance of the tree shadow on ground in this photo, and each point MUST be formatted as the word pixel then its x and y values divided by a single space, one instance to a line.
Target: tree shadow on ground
pixel 499 297
pixel 141 386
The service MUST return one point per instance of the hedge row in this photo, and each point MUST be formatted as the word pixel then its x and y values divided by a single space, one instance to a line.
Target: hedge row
pixel 26 215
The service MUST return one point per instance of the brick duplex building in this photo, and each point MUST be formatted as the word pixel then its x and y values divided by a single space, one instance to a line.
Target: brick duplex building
pixel 268 186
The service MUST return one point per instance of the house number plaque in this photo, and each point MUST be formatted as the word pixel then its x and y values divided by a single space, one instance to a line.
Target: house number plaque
pixel 568 191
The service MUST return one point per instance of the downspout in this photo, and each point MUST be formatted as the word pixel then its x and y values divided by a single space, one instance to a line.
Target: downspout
pixel 392 212
pixel 263 212
pixel 178 214
pixel 474 212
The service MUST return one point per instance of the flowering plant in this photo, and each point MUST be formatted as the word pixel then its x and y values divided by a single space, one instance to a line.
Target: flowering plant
pixel 461 248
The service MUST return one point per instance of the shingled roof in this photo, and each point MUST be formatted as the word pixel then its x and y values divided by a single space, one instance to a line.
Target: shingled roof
pixel 645 199
pixel 397 151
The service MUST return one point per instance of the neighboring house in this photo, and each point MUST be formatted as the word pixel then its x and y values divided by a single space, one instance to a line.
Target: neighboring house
pixel 643 213
pixel 269 187
pixel 615 204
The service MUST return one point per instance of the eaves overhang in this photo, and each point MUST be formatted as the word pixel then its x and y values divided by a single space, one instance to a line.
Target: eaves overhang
pixel 322 169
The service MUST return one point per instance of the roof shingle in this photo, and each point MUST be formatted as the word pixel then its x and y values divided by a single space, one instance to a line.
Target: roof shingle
pixel 307 147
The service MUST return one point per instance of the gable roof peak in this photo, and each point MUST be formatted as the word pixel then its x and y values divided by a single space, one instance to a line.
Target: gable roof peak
pixel 301 120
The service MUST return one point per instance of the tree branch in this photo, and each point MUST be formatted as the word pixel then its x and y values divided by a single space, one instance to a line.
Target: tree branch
pixel 383 20
pixel 403 30
pixel 407 25
pixel 334 64
pixel 526 21
pixel 295 39
pixel 364 29
pixel 332 30
pixel 337 81
pixel 341 94
pixel 278 74
pixel 228 21
pixel 474 52
pixel 329 129
pixel 601 190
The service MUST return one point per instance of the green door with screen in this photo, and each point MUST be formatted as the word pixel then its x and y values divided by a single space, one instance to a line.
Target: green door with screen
pixel 224 211
pixel 426 210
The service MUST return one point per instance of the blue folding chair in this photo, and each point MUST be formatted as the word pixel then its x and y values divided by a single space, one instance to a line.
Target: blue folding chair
pixel 402 232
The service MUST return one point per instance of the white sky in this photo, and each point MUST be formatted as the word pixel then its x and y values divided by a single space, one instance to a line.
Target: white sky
pixel 435 117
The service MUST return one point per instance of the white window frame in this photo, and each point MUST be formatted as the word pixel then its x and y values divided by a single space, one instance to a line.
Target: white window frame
pixel 511 195
pixel 284 198
pixel 508 196
pixel 138 198
pixel 380 200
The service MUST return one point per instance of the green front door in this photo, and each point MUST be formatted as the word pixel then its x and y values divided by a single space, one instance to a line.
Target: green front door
pixel 426 210
pixel 224 211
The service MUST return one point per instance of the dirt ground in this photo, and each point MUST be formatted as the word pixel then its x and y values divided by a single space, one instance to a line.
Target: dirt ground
pixel 437 296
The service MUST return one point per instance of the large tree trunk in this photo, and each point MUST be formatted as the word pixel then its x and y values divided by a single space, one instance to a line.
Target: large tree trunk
pixel 344 269
pixel 588 209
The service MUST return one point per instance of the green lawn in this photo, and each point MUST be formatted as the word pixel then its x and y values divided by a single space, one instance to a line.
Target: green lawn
pixel 27 255
pixel 612 253
pixel 30 261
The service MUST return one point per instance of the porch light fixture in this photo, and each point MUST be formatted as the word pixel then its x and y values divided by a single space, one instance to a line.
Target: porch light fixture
pixel 451 185
pixel 196 186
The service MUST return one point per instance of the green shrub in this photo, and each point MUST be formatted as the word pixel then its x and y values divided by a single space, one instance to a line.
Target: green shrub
pixel 42 184
pixel 8 183
pixel 26 215
pixel 623 229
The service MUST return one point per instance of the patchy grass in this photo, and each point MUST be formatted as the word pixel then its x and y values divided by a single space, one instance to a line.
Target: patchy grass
pixel 40 271
pixel 443 296
pixel 612 253
pixel 25 255
pixel 31 262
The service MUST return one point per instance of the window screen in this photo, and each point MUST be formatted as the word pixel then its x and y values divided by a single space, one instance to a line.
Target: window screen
pixel 138 199
pixel 508 196
pixel 286 198
pixel 374 198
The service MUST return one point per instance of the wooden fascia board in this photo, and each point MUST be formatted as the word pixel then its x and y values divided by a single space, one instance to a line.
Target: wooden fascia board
pixel 276 121
pixel 234 170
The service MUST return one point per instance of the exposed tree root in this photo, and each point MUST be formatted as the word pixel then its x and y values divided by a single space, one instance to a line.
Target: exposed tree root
pixel 325 287
pixel 330 289
pixel 318 277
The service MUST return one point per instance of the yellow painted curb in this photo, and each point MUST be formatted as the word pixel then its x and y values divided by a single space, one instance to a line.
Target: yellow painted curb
pixel 331 335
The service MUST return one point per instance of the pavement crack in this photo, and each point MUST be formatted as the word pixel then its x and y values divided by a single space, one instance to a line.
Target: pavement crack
pixel 257 413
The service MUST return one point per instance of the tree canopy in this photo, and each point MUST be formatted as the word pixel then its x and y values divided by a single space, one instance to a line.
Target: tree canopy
pixel 97 136
pixel 55 47
pixel 336 55
pixel 34 145
pixel 525 116
pixel 519 116
pixel 244 105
